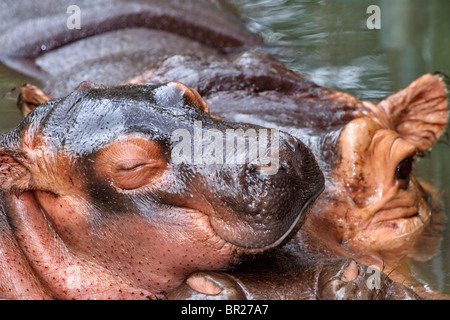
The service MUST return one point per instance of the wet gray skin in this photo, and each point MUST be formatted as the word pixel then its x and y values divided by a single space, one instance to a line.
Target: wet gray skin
pixel 116 41
pixel 46 26
pixel 269 94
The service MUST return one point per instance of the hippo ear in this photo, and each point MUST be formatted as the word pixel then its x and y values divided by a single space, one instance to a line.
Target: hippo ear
pixel 14 176
pixel 420 111
pixel 30 97
pixel 192 95
pixel 90 85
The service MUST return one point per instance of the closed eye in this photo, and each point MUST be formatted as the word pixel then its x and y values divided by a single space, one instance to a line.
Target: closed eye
pixel 131 162
pixel 130 165
pixel 138 175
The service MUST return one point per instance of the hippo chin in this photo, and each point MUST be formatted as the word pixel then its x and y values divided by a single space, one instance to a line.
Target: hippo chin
pixel 93 204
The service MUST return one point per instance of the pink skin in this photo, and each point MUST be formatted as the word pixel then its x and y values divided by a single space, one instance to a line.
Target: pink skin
pixel 98 259
pixel 107 267
pixel 54 224
pixel 373 209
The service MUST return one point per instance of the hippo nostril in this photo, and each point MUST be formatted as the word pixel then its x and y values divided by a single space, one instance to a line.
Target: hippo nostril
pixel 252 168
pixel 263 169
pixel 256 168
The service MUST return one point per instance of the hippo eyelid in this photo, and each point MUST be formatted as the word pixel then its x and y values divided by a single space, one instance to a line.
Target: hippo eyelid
pixel 131 162
pixel 138 176
pixel 131 165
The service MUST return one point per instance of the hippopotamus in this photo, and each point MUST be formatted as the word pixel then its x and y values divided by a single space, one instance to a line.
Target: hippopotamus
pixel 247 86
pixel 288 273
pixel 373 209
pixel 93 205
pixel 285 272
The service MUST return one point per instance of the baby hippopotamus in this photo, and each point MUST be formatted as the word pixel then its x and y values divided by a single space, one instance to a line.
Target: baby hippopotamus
pixel 93 204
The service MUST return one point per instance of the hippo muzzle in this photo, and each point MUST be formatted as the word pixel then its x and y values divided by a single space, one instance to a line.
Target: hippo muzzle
pixel 260 210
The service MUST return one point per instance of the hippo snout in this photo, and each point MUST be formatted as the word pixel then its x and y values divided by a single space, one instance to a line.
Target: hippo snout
pixel 269 202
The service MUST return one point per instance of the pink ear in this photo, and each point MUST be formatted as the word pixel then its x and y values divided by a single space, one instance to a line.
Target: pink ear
pixel 89 85
pixel 30 97
pixel 14 176
pixel 192 95
pixel 420 111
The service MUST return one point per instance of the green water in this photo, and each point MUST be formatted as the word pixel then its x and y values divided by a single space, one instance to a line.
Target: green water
pixel 328 41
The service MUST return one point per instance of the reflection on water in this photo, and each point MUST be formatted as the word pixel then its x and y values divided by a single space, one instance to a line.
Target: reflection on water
pixel 328 41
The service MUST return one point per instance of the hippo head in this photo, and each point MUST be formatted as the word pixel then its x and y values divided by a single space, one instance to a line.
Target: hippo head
pixel 95 193
pixel 373 203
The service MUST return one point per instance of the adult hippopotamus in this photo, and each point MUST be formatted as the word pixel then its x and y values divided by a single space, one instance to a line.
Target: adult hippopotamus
pixel 116 39
pixel 239 86
pixel 373 209
pixel 94 206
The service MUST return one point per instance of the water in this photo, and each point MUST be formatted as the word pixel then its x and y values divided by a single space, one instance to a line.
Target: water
pixel 9 115
pixel 328 41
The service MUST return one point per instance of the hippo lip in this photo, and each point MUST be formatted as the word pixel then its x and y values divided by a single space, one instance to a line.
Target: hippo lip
pixel 401 213
pixel 407 212
pixel 409 217
pixel 218 225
